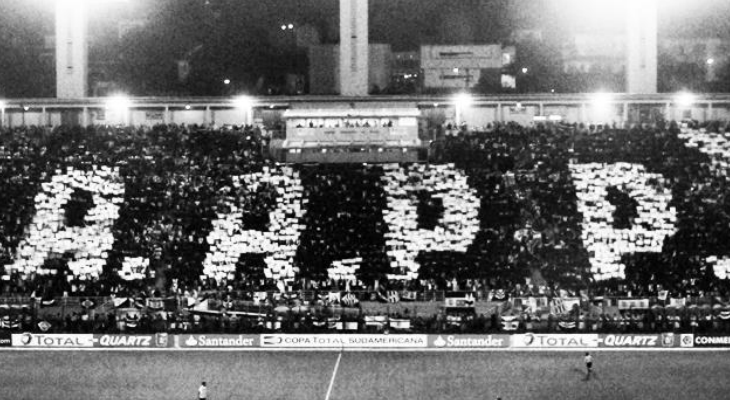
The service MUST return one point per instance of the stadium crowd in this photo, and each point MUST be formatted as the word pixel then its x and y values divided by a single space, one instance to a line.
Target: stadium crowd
pixel 506 317
pixel 170 175
pixel 531 238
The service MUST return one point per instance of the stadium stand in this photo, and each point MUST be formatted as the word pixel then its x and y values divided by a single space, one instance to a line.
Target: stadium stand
pixel 164 227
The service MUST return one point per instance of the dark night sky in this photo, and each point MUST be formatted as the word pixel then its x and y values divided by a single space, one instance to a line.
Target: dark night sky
pixel 239 37
pixel 406 23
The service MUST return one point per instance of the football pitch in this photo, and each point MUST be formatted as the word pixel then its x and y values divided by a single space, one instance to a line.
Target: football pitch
pixel 284 375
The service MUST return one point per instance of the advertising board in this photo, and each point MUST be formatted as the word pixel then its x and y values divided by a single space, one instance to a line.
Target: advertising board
pixel 537 340
pixel 5 340
pixel 627 340
pixel 343 341
pixel 711 340
pixel 354 341
pixel 124 341
pixel 213 340
pixel 468 341
pixel 52 340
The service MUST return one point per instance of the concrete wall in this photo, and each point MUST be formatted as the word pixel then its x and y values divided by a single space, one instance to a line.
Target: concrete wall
pixel 187 117
pixel 72 65
pixel 641 62
pixel 571 108
pixel 229 117
pixel 353 54
pixel 380 66
pixel 324 74
pixel 479 116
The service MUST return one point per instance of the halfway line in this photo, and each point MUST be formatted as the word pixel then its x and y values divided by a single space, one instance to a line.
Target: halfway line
pixel 334 373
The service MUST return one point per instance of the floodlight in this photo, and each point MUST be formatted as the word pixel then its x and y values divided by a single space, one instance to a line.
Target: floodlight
pixel 456 70
pixel 243 102
pixel 524 70
pixel 463 100
pixel 226 81
pixel 601 103
pixel 187 106
pixel 684 99
pixel 601 99
pixel 283 27
pixel 118 102
pixel 710 61
pixel 290 26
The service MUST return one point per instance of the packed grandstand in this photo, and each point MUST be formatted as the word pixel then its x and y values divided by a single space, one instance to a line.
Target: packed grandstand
pixel 552 227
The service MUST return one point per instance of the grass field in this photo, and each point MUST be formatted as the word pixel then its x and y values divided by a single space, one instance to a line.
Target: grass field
pixel 40 375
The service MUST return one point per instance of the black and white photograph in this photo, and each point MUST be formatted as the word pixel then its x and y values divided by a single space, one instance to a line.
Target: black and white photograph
pixel 364 199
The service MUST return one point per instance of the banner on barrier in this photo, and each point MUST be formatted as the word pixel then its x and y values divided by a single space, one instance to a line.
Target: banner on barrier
pixel 537 340
pixel 212 340
pixel 635 304
pixel 627 340
pixel 400 324
pixel 377 321
pixel 459 299
pixel 52 340
pixel 711 341
pixel 468 341
pixel 678 302
pixel 344 341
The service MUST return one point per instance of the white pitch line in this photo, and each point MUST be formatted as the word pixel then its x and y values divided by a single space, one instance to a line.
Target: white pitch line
pixel 334 373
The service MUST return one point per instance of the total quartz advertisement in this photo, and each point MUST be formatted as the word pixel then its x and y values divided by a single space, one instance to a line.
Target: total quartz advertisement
pixel 538 340
pixel 629 340
pixel 51 340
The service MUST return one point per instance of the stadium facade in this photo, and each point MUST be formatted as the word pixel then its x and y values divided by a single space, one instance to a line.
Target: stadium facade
pixel 605 108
